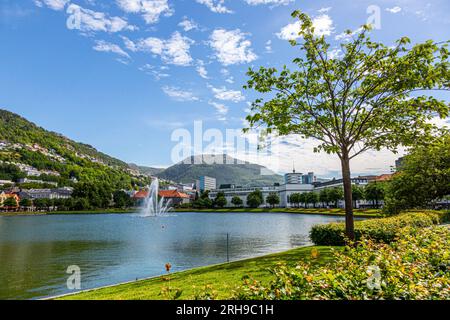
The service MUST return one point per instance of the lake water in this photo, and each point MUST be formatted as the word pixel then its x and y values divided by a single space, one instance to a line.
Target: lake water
pixel 35 252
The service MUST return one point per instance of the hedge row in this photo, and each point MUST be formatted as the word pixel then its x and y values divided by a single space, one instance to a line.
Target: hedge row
pixel 380 230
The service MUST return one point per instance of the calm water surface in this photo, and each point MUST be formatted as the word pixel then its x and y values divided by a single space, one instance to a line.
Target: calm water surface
pixel 36 251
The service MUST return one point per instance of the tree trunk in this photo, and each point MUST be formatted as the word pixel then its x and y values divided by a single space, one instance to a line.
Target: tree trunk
pixel 349 224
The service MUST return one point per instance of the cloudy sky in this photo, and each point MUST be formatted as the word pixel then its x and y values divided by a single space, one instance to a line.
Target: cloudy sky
pixel 122 75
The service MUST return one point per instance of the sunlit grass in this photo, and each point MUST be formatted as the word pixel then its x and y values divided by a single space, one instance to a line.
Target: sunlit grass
pixel 224 278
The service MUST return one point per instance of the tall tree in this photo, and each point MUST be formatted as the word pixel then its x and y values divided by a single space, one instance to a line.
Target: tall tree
pixel 369 96
pixel 273 199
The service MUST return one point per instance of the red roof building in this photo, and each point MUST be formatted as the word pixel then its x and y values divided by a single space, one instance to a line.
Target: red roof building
pixel 170 194
pixel 140 195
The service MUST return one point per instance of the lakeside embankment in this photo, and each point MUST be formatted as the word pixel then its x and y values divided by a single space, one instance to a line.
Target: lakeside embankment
pixel 223 277
pixel 362 213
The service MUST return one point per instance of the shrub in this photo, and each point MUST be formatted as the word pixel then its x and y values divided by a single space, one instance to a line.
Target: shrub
pixel 415 267
pixel 381 230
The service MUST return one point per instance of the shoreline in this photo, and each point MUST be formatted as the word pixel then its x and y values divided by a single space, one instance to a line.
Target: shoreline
pixel 195 270
pixel 370 213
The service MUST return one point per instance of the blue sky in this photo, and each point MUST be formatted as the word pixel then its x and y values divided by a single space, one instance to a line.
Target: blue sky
pixel 122 75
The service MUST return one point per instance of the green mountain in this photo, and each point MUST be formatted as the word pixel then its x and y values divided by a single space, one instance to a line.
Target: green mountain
pixel 49 156
pixel 229 171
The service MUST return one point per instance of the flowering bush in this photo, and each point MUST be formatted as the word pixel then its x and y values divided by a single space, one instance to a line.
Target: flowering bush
pixel 380 230
pixel 416 266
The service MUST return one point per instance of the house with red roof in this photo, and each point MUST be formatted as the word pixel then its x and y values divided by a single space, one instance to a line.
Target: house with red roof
pixel 175 197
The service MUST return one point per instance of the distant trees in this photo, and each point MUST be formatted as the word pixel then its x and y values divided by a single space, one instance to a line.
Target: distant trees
pixel 220 200
pixel 255 199
pixel 374 192
pixel 295 199
pixel 273 199
pixel 312 198
pixel 357 194
pixel 122 199
pixel 423 178
pixel 25 203
pixel 335 195
pixel 323 197
pixel 237 201
pixel 10 203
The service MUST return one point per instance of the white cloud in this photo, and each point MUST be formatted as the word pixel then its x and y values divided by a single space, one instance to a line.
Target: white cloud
pixel 227 95
pixel 269 46
pixel 52 4
pixel 151 10
pixel 201 69
pixel 323 26
pixel 348 36
pixel 395 9
pixel 324 10
pixel 216 6
pixel 157 72
pixel 179 94
pixel 188 24
pixel 91 21
pixel 172 51
pixel 230 80
pixel 221 109
pixel 272 2
pixel 104 46
pixel 231 47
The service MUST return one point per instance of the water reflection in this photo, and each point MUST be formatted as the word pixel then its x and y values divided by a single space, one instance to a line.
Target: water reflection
pixel 36 251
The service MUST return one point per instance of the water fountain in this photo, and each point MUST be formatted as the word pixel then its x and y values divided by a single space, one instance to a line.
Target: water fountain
pixel 154 207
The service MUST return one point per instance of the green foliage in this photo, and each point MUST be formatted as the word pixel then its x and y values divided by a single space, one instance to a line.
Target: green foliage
pixel 10 172
pixel 207 293
pixel 121 199
pixel 255 199
pixel 335 194
pixel 295 199
pixel 273 199
pixel 25 203
pixel 312 198
pixel 10 202
pixel 415 267
pixel 423 178
pixel 371 96
pixel 237 201
pixel 380 230
pixel 220 201
pixel 375 192
pixel 77 157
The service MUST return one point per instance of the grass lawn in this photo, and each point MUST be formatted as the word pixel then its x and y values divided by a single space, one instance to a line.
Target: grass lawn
pixel 223 278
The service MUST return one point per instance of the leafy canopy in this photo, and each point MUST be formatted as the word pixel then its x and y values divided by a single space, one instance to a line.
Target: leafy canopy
pixel 369 96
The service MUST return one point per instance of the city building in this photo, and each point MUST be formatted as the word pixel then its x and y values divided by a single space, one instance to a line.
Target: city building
pixel 59 193
pixel 299 178
pixel 206 183
pixel 175 197
pixel 295 183
pixel 26 180
pixel 7 195
pixel 242 192
pixel 3 182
